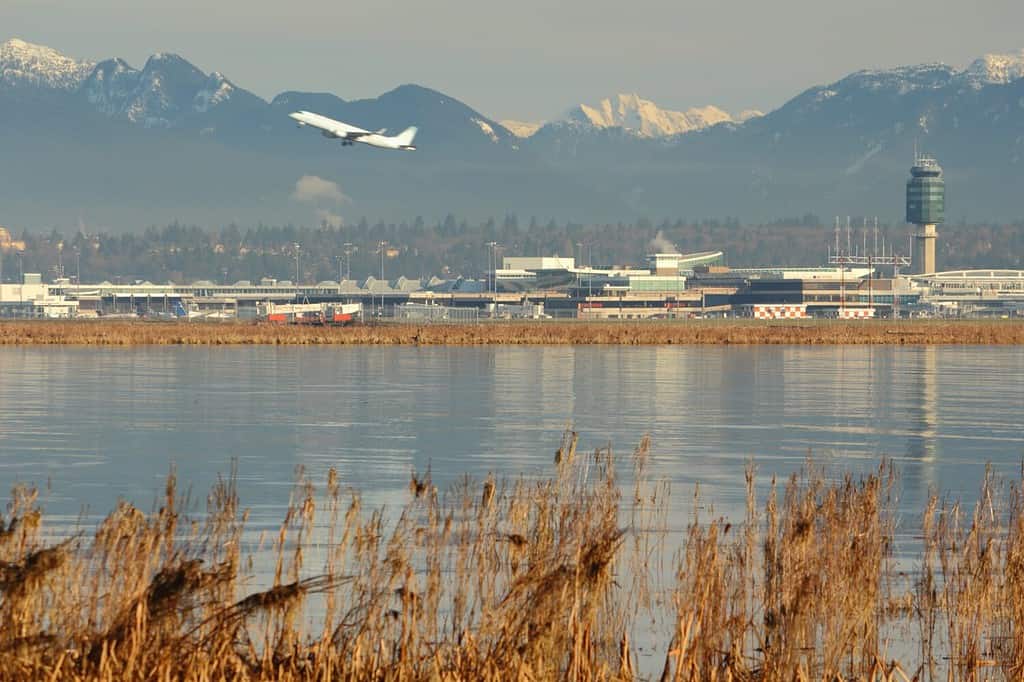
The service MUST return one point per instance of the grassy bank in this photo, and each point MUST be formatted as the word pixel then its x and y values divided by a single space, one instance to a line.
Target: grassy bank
pixel 544 579
pixel 129 333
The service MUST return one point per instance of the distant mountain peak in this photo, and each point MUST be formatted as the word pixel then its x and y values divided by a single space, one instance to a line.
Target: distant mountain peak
pixel 990 69
pixel 646 119
pixel 23 63
pixel 165 90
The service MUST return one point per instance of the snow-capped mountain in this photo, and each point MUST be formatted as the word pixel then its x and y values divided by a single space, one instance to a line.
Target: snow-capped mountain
pixel 991 69
pixel 163 94
pixel 23 64
pixel 646 119
pixel 171 93
pixel 905 100
pixel 137 146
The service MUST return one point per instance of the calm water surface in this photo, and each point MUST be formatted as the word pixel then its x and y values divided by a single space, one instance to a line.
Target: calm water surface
pixel 93 425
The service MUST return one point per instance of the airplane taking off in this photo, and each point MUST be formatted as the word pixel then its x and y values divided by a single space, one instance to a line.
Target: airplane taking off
pixel 349 135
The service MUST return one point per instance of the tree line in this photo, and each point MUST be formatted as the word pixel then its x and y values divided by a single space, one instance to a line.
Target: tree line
pixel 453 247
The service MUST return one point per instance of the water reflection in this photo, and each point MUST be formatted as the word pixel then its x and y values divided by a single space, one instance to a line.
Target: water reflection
pixel 103 423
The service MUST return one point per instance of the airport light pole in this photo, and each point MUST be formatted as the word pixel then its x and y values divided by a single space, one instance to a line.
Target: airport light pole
pixel 492 265
pixel 382 247
pixel 21 276
pixel 579 285
pixel 297 249
pixel 78 266
pixel 348 259
pixel 590 265
pixel 497 247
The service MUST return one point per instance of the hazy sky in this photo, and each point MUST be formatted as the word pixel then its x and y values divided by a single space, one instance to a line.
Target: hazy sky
pixel 530 59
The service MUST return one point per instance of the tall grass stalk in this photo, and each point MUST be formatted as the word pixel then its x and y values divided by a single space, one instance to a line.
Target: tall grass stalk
pixel 560 577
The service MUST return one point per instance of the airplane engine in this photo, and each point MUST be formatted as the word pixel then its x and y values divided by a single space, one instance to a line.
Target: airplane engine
pixel 328 134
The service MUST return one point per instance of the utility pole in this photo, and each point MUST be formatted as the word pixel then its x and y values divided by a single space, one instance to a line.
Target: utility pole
pixel 78 266
pixel 297 249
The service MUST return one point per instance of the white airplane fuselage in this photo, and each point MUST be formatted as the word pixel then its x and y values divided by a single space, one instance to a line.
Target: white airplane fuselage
pixel 349 134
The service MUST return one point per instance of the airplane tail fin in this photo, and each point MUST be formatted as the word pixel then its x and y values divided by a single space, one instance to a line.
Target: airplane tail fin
pixel 406 137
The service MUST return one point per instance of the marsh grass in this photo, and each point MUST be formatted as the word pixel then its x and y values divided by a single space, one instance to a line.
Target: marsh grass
pixel 815 332
pixel 556 577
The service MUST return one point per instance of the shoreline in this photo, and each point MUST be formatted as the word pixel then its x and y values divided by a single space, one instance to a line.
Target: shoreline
pixel 703 332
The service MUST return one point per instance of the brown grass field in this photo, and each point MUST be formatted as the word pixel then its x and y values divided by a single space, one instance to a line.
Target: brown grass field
pixel 131 333
pixel 554 578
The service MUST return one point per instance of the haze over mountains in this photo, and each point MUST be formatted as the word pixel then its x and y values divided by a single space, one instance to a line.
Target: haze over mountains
pixel 111 145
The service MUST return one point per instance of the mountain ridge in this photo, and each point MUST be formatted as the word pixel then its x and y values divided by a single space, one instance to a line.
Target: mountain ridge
pixel 126 147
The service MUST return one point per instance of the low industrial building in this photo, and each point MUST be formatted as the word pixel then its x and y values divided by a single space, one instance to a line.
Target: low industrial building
pixel 974 292
pixel 33 298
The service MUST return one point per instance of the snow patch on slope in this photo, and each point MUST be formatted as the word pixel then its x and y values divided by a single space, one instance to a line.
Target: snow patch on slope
pixel 997 69
pixel 217 89
pixel 486 128
pixel 521 128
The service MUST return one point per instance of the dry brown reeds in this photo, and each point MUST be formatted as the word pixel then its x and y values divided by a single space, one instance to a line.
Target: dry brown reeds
pixel 562 577
pixel 693 332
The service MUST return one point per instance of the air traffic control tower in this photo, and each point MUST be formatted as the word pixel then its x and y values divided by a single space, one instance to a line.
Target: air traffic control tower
pixel 926 208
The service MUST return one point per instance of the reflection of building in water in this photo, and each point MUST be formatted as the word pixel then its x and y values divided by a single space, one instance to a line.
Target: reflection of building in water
pixel 922 444
pixel 532 387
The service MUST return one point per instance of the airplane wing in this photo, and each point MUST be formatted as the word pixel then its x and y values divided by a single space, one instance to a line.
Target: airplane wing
pixel 329 126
